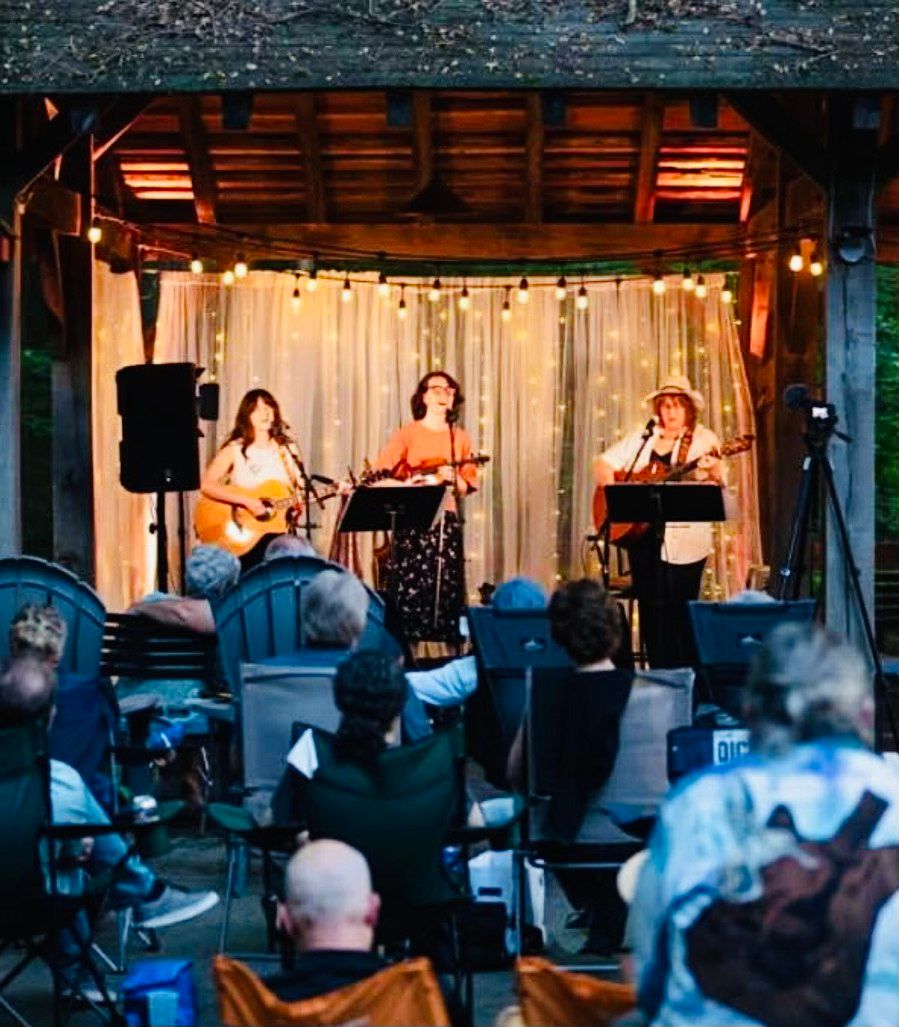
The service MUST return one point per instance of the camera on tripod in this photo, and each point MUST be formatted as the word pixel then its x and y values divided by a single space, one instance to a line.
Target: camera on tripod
pixel 820 416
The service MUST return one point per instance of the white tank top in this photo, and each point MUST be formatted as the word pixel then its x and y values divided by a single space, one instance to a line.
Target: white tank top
pixel 259 465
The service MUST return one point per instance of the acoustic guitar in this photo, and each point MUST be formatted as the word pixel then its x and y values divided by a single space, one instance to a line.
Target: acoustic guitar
pixel 234 528
pixel 654 473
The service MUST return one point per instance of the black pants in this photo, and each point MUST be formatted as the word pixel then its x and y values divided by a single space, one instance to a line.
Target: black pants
pixel 663 590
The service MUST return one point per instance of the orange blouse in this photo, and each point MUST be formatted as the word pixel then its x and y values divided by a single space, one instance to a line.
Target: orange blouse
pixel 415 448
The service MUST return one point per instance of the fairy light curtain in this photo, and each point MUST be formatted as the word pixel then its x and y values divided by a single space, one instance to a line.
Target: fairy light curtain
pixel 547 386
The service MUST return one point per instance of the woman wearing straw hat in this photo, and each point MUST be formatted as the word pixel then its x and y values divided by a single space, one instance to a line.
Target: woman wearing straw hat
pixel 665 578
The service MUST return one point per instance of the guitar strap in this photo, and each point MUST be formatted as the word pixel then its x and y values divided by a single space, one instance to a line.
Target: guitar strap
pixel 683 448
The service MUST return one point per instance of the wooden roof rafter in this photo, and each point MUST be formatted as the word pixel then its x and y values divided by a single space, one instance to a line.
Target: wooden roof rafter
pixel 650 138
pixel 310 149
pixel 202 176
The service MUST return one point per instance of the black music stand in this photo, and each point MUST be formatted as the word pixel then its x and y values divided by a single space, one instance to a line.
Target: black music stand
pixel 388 508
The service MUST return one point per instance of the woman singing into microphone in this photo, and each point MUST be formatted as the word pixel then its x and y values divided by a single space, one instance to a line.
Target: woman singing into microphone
pixel 254 472
pixel 428 566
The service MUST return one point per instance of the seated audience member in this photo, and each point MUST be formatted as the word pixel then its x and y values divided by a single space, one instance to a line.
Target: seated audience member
pixel 771 891
pixel 210 572
pixel 330 912
pixel 289 545
pixel 335 616
pixel 456 680
pixel 370 691
pixel 587 626
pixel 26 693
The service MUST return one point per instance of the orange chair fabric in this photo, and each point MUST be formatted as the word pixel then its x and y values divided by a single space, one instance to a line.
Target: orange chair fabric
pixel 402 995
pixel 550 997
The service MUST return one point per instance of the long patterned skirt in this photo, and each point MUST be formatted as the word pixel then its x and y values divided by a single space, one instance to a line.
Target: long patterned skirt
pixel 429 588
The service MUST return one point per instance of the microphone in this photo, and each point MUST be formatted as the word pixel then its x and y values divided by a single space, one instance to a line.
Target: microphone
pixel 452 415
pixel 797 396
pixel 650 428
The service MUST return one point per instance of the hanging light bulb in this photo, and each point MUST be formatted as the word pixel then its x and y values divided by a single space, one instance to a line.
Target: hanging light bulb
pixel 816 264
pixel 464 298
pixel 296 297
pixel 727 296
pixel 383 286
pixel 346 293
pixel 196 265
pixel 228 276
pixel 402 310
pixel 240 266
pixel 312 280
pixel 796 263
pixel 658 284
pixel 523 295
pixel 506 312
pixel 94 233
pixel 688 285
pixel 561 289
pixel 582 301
pixel 434 292
pixel 702 290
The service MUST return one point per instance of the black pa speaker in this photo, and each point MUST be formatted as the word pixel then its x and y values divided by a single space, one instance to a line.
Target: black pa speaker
pixel 159 451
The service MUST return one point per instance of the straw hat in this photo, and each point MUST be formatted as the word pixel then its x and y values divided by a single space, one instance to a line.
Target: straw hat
pixel 675 385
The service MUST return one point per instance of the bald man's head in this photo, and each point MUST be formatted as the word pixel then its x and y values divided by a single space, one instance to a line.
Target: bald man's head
pixel 329 902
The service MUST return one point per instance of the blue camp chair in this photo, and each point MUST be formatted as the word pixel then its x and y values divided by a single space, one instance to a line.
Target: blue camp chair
pixel 261 616
pixel 28 579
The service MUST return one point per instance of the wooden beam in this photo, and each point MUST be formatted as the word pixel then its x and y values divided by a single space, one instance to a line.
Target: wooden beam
pixel 68 127
pixel 10 379
pixel 56 206
pixel 533 148
pixel 117 119
pixel 422 139
pixel 455 240
pixel 644 197
pixel 850 361
pixel 310 147
pixel 71 390
pixel 781 130
pixel 193 133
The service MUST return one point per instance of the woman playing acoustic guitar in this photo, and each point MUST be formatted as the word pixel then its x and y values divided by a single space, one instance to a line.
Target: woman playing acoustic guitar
pixel 666 578
pixel 251 482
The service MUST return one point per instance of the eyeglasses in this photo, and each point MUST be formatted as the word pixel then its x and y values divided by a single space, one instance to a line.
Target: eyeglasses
pixel 445 390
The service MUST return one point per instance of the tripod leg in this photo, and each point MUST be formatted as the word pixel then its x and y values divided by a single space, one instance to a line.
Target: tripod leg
pixel 864 615
pixel 793 567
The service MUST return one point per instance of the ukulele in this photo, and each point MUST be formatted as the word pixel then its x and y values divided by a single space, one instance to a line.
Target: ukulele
pixel 656 473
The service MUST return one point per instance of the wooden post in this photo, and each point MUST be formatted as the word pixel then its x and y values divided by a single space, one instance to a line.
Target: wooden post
pixel 851 350
pixel 10 377
pixel 73 492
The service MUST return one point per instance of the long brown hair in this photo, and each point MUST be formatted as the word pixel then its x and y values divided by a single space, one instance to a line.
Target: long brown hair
pixel 243 430
pixel 685 402
pixel 418 397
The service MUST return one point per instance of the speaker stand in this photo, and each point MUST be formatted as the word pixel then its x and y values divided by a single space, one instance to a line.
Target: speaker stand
pixel 162 545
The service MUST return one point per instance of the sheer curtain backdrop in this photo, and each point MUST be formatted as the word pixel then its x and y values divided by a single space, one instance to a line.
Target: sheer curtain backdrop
pixel 545 391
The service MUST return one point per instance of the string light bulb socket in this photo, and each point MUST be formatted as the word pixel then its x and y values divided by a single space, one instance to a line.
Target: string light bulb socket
pixel 402 310
pixel 816 264
pixel 561 289
pixel 506 312
pixel 383 286
pixel 688 284
pixel 464 298
pixel 702 290
pixel 523 292
pixel 196 265
pixel 796 263
pixel 346 293
pixel 312 280
pixel 94 233
pixel 296 297
pixel 434 291
pixel 727 295
pixel 228 276
pixel 582 301
pixel 658 284
pixel 241 268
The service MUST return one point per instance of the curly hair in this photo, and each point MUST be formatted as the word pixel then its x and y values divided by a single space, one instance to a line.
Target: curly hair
pixel 417 402
pixel 38 631
pixel 583 622
pixel 370 691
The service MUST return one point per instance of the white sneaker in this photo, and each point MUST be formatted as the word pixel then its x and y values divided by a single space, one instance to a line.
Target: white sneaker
pixel 174 906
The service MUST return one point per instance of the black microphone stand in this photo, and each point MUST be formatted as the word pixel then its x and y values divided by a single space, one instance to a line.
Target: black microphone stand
pixel 457 496
pixel 309 493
